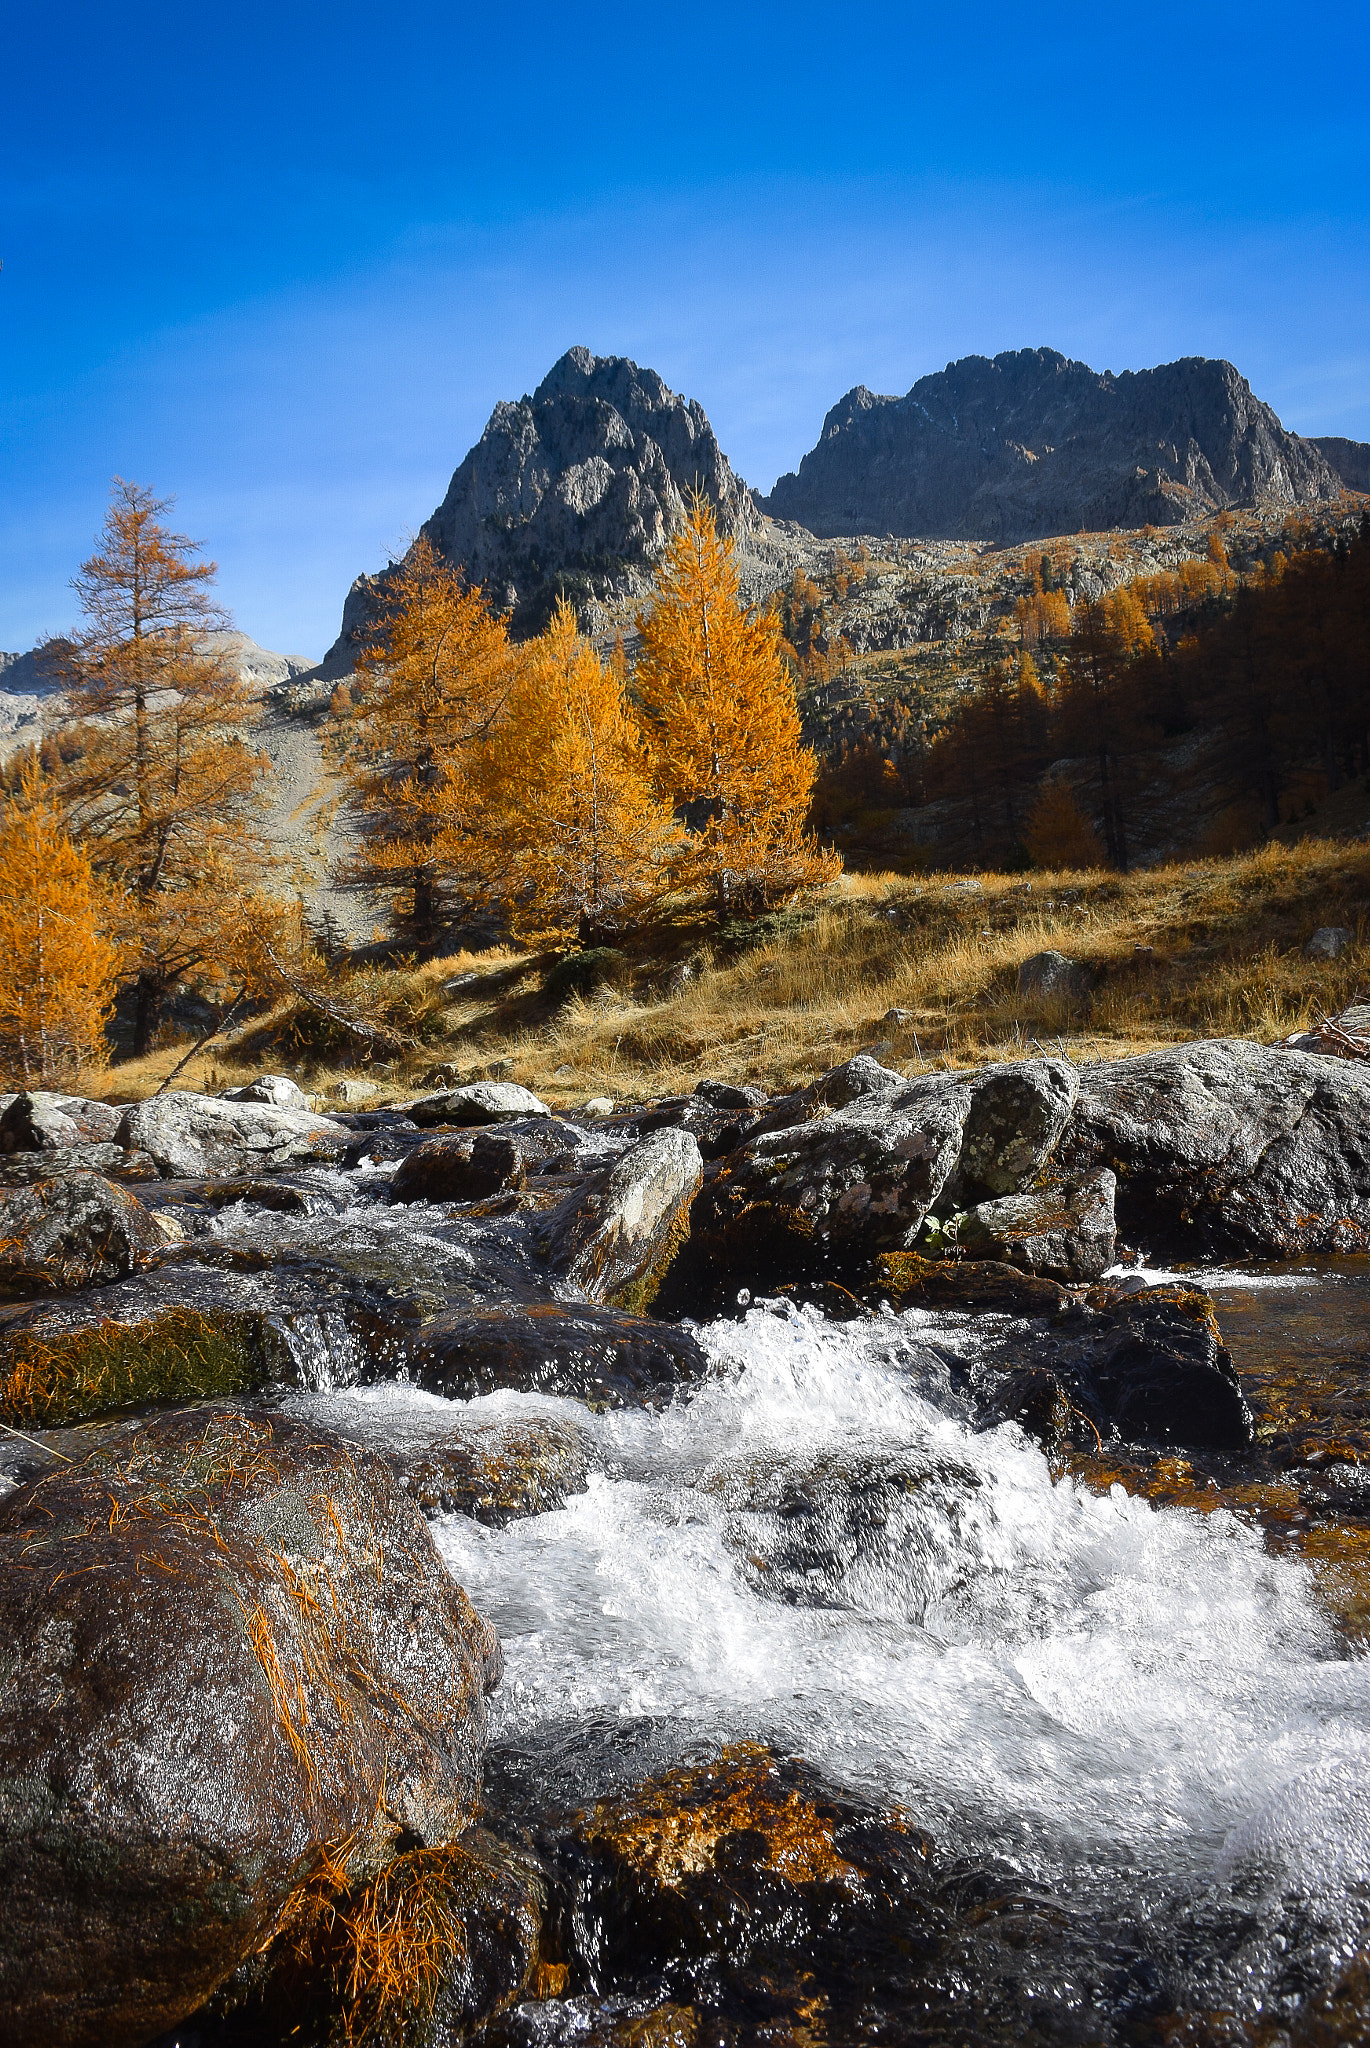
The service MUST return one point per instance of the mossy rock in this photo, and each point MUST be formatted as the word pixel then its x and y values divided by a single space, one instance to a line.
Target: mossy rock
pixel 51 1376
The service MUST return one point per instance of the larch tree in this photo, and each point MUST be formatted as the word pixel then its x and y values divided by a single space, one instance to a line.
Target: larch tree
pixel 567 796
pixel 719 708
pixel 154 775
pixel 60 954
pixel 431 686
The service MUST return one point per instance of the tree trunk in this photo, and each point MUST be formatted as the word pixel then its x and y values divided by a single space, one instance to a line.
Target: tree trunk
pixel 147 1012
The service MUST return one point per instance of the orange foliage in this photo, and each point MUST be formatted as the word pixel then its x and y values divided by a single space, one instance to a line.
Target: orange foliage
pixel 720 712
pixel 58 963
pixel 1058 834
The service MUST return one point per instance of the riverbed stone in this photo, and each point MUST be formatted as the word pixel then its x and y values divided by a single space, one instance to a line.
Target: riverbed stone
pixel 479 1102
pixel 201 1137
pixel 602 1356
pixel 1165 1376
pixel 1228 1147
pixel 613 1238
pixel 1064 1229
pixel 18 1169
pixel 498 1472
pixel 484 1160
pixel 42 1121
pixel 73 1230
pixel 231 1646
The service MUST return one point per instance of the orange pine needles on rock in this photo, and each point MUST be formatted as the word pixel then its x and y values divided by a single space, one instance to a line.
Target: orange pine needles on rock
pixel 430 689
pixel 568 796
pixel 58 963
pixel 719 708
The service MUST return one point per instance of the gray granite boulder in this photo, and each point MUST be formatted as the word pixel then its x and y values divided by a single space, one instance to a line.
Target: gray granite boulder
pixel 479 1102
pixel 277 1089
pixel 612 1239
pixel 1065 1229
pixel 200 1137
pixel 73 1230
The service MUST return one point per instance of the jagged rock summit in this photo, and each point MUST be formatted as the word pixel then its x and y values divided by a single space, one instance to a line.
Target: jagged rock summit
pixel 1030 445
pixel 580 486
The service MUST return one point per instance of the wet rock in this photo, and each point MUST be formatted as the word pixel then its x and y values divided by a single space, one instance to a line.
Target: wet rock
pixel 602 1356
pixel 1229 1147
pixel 1038 1402
pixel 1164 1375
pixel 613 1239
pixel 499 1472
pixel 200 1137
pixel 17 1169
pixel 1064 1230
pixel 276 1089
pixel 73 1230
pixel 231 1647
pixel 479 1102
pixel 277 1195
pixel 42 1121
pixel 1053 976
pixel 1329 942
pixel 478 1163
pixel 913 1282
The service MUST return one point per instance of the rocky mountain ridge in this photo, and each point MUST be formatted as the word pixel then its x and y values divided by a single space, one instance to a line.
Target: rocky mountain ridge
pixel 580 486
pixel 1030 444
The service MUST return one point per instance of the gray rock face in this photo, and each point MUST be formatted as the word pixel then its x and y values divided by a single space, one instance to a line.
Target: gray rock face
pixel 1231 1147
pixel 479 1102
pixel 1031 444
pixel 1066 1231
pixel 583 484
pixel 1052 975
pixel 1329 942
pixel 230 1642
pixel 474 1164
pixel 199 1137
pixel 74 1230
pixel 1350 459
pixel 276 1089
pixel 610 1240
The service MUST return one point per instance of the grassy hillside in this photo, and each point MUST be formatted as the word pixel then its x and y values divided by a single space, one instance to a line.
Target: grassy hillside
pixel 1192 950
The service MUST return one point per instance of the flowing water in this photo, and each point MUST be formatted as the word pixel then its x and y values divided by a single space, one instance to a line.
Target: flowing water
pixel 1149 1712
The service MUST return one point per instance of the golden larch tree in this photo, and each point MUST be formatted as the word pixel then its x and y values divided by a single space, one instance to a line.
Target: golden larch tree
pixel 1057 833
pixel 59 959
pixel 568 798
pixel 431 686
pixel 154 775
pixel 719 709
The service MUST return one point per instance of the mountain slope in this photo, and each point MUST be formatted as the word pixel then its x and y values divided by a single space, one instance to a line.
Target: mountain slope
pixel 582 486
pixel 1031 444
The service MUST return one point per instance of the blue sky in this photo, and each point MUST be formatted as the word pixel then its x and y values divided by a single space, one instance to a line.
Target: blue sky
pixel 281 261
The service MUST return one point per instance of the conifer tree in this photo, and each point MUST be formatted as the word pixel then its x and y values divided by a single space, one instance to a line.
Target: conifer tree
pixel 155 777
pixel 567 795
pixel 720 712
pixel 59 962
pixel 431 687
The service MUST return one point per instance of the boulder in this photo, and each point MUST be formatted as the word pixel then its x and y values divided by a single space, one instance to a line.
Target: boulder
pixel 234 1660
pixel 19 1168
pixel 598 1106
pixel 73 1230
pixel 42 1122
pixel 1164 1376
pixel 1065 1229
pixel 477 1163
pixel 602 1356
pixel 479 1102
pixel 200 1137
pixel 1052 976
pixel 275 1089
pixel 1329 942
pixel 613 1238
pixel 497 1472
pixel 813 1197
pixel 1228 1147
pixel 726 1095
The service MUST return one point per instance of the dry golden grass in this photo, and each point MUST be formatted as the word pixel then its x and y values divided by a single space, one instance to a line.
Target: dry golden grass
pixel 1199 949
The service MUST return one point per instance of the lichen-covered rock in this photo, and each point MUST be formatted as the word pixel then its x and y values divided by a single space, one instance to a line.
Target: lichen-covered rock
pixel 498 1472
pixel 1064 1229
pixel 1013 1126
pixel 43 1122
pixel 231 1647
pixel 1232 1147
pixel 478 1102
pixel 201 1137
pixel 613 1238
pixel 72 1230
pixel 19 1169
pixel 64 1362
pixel 605 1357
